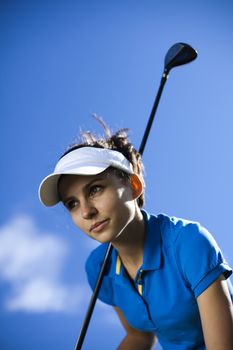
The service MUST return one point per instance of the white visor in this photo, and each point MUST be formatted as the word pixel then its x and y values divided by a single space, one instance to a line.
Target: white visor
pixel 81 161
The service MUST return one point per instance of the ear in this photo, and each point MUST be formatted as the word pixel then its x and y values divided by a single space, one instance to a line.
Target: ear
pixel 136 185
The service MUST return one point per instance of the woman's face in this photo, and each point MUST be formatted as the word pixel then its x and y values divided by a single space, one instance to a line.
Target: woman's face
pixel 100 205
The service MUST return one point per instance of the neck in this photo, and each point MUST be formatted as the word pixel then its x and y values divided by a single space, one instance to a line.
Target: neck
pixel 130 244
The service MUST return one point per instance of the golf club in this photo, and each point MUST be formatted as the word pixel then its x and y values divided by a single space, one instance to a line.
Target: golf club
pixel 177 55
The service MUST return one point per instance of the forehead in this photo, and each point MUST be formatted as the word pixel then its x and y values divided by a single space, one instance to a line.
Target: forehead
pixel 70 184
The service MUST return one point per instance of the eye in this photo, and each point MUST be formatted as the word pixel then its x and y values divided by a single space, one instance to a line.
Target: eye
pixel 95 189
pixel 71 204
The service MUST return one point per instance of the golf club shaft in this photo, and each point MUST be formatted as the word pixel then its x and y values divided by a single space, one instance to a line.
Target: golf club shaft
pixel 109 249
pixel 153 111
pixel 93 300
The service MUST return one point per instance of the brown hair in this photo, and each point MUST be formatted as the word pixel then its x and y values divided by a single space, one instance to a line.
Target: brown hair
pixel 118 142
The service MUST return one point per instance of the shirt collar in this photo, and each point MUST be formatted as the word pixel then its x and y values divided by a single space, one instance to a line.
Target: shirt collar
pixel 152 245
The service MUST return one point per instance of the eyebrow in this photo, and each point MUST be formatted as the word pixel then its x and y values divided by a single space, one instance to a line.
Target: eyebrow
pixel 88 185
pixel 94 180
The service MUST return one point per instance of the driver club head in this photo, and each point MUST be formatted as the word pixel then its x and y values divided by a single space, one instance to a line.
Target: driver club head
pixel 178 55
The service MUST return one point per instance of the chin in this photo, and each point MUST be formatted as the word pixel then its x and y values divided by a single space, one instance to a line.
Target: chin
pixel 103 238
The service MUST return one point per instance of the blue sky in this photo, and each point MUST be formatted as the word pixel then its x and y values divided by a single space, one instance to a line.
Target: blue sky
pixel 60 62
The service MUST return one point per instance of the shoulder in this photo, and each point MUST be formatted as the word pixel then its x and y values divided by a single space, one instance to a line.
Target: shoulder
pixel 95 259
pixel 180 231
pixel 188 237
pixel 196 252
pixel 93 267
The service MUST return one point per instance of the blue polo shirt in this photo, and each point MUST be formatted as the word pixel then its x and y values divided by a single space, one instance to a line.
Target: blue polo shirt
pixel 181 259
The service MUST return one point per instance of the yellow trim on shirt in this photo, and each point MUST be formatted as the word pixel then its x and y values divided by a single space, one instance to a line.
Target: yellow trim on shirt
pixel 118 265
pixel 140 289
pixel 118 271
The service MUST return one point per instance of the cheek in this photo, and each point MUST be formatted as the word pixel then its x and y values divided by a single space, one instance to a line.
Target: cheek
pixel 123 204
pixel 117 200
pixel 125 197
pixel 80 224
pixel 75 217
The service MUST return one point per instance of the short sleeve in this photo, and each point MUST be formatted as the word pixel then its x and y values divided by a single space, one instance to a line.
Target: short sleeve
pixel 199 258
pixel 93 266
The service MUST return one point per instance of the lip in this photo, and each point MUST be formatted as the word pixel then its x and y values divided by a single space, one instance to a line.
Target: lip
pixel 98 226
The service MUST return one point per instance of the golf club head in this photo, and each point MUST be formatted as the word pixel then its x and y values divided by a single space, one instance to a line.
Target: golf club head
pixel 178 55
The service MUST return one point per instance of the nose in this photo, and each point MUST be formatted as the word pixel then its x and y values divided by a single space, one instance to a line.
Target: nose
pixel 88 210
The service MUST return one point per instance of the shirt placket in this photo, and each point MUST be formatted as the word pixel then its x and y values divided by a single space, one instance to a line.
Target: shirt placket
pixel 138 285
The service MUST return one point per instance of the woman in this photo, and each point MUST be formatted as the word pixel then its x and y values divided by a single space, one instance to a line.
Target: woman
pixel 166 277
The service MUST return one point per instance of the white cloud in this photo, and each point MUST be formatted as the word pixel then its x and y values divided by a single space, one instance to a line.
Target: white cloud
pixel 41 295
pixel 31 262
